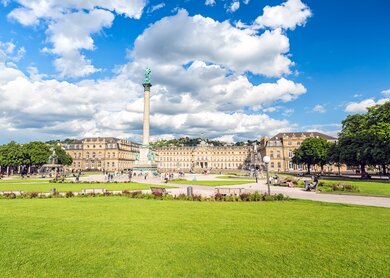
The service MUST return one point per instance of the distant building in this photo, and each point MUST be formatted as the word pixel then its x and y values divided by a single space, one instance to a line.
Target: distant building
pixel 206 157
pixel 102 153
pixel 280 149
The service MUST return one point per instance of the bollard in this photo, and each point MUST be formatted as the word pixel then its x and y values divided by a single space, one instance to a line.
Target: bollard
pixel 189 191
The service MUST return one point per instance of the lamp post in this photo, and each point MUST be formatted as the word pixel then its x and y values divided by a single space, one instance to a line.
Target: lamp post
pixel 266 160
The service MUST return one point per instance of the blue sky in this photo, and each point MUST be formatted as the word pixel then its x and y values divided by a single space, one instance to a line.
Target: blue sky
pixel 252 68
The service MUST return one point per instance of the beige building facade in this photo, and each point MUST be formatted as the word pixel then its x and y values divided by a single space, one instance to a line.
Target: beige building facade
pixel 102 154
pixel 204 157
pixel 280 149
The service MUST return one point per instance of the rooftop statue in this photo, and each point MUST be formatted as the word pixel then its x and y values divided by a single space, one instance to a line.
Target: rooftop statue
pixel 148 74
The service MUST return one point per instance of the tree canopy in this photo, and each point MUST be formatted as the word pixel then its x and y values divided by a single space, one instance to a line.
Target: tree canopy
pixel 312 151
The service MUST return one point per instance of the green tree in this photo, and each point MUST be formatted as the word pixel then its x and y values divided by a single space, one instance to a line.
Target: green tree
pixel 334 155
pixel 354 142
pixel 378 126
pixel 13 156
pixel 63 157
pixel 312 151
pixel 38 153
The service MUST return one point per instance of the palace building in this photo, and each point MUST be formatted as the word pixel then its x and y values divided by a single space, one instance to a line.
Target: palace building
pixel 102 153
pixel 205 157
pixel 280 149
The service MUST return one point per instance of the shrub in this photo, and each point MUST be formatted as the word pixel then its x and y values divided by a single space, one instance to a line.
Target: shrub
pixel 245 197
pixel 218 197
pixel 32 195
pixel 9 195
pixel 256 196
pixel 69 194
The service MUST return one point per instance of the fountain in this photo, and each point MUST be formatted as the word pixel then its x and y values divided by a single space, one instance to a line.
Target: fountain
pixel 52 168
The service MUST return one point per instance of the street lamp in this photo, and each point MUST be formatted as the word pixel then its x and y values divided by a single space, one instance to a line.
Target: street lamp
pixel 266 160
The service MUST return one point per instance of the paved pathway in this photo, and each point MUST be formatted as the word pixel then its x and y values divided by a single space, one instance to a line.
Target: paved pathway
pixel 296 193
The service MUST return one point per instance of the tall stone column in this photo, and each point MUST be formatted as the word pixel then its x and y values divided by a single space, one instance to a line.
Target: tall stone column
pixel 146 133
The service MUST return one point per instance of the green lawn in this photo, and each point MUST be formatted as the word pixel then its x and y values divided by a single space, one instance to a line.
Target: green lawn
pixel 121 237
pixel 365 187
pixel 209 183
pixel 236 178
pixel 33 180
pixel 45 187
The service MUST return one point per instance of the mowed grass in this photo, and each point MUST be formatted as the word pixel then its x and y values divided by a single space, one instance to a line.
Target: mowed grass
pixel 236 178
pixel 64 187
pixel 121 237
pixel 210 183
pixel 19 180
pixel 380 188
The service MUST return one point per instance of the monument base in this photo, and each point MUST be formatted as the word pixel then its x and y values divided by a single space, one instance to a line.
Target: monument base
pixel 145 164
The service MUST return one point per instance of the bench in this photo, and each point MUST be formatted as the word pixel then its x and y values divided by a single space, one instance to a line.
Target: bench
pixel 158 190
pixel 94 190
pixel 229 191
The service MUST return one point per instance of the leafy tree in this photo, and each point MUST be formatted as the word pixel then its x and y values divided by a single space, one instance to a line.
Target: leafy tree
pixel 354 142
pixel 312 151
pixel 13 155
pixel 38 153
pixel 63 157
pixel 378 126
pixel 184 141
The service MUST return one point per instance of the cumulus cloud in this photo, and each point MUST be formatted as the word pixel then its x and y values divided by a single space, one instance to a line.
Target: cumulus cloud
pixel 319 108
pixel 200 82
pixel 288 15
pixel 361 107
pixel 234 6
pixel 10 53
pixel 70 25
pixel 386 93
pixel 202 38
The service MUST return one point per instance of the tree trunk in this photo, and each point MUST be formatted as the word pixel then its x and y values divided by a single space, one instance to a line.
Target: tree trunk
pixel 338 166
pixel 308 168
pixel 7 170
pixel 362 170
pixel 384 169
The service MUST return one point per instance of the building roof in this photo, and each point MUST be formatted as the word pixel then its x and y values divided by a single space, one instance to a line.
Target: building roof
pixel 302 134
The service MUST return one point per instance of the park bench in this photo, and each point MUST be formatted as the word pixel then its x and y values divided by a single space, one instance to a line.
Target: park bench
pixel 94 191
pixel 229 191
pixel 158 190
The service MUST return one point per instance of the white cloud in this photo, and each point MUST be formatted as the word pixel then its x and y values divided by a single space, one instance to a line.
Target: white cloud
pixel 156 7
pixel 209 2
pixel 235 5
pixel 202 38
pixel 386 93
pixel 288 15
pixel 229 138
pixel 319 108
pixel 70 25
pixel 10 53
pixel 199 74
pixel 361 107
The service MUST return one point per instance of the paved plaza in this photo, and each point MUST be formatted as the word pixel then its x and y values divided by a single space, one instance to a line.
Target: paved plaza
pixel 295 193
